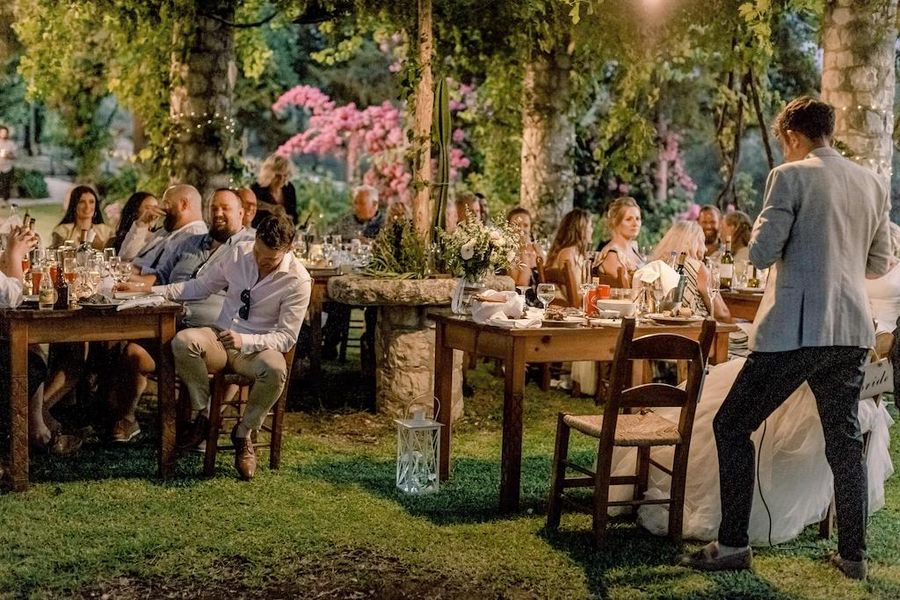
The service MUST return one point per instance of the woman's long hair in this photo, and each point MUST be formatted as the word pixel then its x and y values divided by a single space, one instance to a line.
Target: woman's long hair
pixel 682 236
pixel 74 196
pixel 571 232
pixel 275 164
pixel 742 227
pixel 129 214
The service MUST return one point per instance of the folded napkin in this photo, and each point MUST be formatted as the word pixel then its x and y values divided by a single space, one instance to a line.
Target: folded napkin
pixel 491 302
pixel 533 319
pixel 142 301
pixel 654 270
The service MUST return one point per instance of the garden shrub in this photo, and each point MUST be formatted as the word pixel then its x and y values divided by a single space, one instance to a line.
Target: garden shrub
pixel 30 184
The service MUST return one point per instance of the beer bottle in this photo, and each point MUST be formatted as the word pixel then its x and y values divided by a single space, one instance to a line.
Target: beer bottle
pixel 726 266
pixel 62 289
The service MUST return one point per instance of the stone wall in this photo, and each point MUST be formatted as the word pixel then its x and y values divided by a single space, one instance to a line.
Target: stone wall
pixel 858 77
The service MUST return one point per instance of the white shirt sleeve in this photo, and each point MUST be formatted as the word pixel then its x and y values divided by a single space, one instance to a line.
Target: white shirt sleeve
pixel 136 238
pixel 10 292
pixel 284 335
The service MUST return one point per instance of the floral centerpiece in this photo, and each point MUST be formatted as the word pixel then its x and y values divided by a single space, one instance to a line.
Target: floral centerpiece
pixel 473 250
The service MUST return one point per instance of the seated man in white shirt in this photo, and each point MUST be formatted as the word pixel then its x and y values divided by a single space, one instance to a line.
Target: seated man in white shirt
pixel 43 432
pixel 183 208
pixel 268 294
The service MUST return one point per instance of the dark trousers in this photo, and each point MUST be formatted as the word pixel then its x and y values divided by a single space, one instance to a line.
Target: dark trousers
pixel 834 374
pixel 6 181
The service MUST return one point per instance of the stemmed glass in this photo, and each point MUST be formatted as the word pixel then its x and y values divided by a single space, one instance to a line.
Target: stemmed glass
pixel 714 285
pixel 546 292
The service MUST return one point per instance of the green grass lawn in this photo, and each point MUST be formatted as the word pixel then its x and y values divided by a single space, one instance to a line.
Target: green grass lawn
pixel 329 524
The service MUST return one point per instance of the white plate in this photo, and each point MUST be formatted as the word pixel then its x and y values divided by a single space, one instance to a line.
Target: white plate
pixel 128 295
pixel 567 322
pixel 749 290
pixel 664 320
pixel 606 322
pixel 112 304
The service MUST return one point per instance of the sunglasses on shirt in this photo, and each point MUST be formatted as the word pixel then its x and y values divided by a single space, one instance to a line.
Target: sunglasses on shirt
pixel 244 311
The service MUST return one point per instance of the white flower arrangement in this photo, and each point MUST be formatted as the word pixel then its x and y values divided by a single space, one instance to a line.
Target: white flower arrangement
pixel 474 249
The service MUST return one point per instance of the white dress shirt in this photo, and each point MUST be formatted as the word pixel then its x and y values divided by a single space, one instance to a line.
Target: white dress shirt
pixel 10 291
pixel 278 302
pixel 137 238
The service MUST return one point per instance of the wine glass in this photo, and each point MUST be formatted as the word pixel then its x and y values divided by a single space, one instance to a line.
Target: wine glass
pixel 714 285
pixel 546 292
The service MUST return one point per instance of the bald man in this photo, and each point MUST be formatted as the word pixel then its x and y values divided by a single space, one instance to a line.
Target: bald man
pixel 183 208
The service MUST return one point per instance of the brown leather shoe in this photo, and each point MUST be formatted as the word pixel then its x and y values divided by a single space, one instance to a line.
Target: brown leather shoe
pixel 708 558
pixel 196 432
pixel 244 456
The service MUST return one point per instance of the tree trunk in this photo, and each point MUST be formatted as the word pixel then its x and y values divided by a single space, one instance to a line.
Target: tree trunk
pixel 548 134
pixel 661 175
pixel 858 77
pixel 421 202
pixel 201 97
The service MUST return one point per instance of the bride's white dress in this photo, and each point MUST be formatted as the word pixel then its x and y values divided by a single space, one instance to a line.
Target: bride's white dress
pixel 793 475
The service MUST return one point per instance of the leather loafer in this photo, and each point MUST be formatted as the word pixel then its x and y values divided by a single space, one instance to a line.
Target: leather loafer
pixel 244 456
pixel 708 558
pixel 854 569
pixel 197 431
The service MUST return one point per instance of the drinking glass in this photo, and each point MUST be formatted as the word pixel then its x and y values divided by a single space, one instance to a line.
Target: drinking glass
pixel 714 285
pixel 546 292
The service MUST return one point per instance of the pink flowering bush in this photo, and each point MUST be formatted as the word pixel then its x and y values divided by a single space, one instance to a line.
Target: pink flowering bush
pixel 373 138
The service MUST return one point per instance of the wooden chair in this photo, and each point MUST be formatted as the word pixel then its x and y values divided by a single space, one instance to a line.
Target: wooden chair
pixel 642 429
pixel 563 277
pixel 884 342
pixel 619 280
pixel 222 410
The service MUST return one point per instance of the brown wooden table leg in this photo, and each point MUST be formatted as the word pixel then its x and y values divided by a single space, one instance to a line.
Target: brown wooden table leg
pixel 511 452
pixel 166 397
pixel 443 392
pixel 18 407
pixel 719 351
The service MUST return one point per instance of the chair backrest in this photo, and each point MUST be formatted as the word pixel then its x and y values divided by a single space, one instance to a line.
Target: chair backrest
pixel 657 346
pixel 618 280
pixel 564 277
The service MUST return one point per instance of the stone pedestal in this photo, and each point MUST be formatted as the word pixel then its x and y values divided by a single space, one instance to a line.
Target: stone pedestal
pixel 404 336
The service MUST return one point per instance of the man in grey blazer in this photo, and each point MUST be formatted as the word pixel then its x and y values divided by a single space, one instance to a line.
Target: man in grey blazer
pixel 823 228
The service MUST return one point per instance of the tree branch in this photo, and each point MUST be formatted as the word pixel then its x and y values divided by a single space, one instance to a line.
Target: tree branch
pixel 259 23
pixel 763 130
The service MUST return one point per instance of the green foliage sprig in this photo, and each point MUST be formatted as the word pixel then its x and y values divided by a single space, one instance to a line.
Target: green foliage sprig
pixel 398 252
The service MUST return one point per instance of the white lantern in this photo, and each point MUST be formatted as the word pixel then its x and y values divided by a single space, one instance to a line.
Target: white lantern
pixel 418 454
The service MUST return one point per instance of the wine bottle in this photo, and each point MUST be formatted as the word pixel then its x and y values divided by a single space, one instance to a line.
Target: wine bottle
pixel 675 296
pixel 726 266
pixel 753 282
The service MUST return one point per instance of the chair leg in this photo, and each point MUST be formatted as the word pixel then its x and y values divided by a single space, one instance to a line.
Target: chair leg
pixel 601 497
pixel 642 471
pixel 826 525
pixel 215 424
pixel 277 426
pixel 676 503
pixel 545 377
pixel 560 455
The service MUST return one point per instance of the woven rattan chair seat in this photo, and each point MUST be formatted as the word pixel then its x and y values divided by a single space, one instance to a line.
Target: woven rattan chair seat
pixel 647 429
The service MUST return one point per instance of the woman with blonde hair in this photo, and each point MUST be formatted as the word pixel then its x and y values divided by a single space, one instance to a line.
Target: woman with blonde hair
pixel 688 237
pixel 573 237
pixel 274 191
pixel 623 218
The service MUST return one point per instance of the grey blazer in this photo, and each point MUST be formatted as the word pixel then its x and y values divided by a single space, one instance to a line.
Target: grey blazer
pixel 823 227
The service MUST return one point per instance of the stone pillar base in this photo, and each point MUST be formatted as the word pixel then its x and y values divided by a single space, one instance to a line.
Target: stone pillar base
pixel 404 351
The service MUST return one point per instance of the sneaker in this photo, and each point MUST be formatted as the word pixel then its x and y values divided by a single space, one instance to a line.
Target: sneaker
pixel 854 569
pixel 708 558
pixel 124 431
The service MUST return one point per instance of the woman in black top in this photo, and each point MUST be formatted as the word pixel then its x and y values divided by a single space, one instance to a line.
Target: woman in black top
pixel 274 190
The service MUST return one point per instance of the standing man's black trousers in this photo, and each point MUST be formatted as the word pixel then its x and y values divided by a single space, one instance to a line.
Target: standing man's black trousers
pixel 835 376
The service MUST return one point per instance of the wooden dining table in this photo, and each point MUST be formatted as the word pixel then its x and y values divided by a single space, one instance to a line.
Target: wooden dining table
pixel 22 327
pixel 516 348
pixel 742 305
